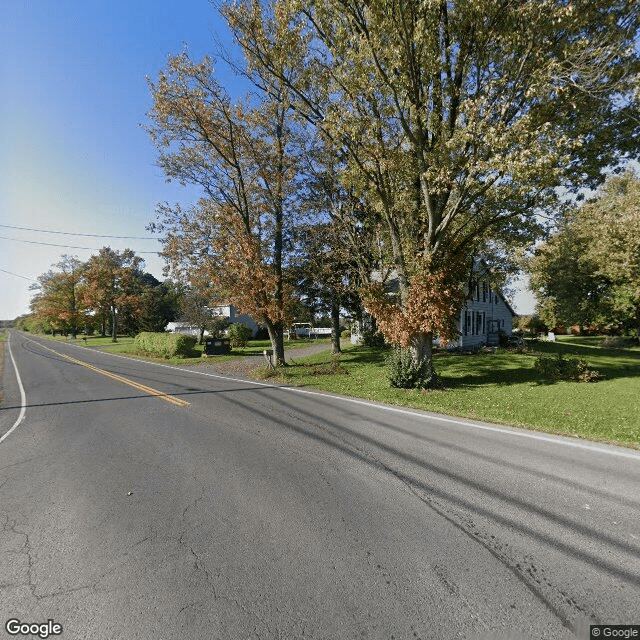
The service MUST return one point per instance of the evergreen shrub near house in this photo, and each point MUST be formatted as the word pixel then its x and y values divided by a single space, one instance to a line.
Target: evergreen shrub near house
pixel 239 334
pixel 404 372
pixel 559 368
pixel 165 345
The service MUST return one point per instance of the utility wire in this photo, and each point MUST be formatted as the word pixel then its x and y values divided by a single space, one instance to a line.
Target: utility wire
pixel 64 246
pixel 18 275
pixel 73 233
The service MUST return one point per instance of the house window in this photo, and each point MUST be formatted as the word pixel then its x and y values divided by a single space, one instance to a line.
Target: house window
pixel 484 321
pixel 484 292
pixel 478 322
pixel 478 291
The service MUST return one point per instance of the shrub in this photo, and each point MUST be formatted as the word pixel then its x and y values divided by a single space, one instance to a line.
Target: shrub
pixel 239 334
pixel 262 333
pixel 560 368
pixel 405 373
pixel 165 345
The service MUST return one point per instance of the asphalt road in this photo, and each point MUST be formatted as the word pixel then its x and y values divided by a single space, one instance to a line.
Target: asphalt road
pixel 231 509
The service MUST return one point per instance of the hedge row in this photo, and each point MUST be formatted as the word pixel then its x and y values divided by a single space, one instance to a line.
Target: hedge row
pixel 165 345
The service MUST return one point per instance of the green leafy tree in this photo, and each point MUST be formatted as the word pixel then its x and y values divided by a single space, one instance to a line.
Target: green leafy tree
pixel 566 281
pixel 160 304
pixel 57 303
pixel 612 221
pixel 455 120
pixel 531 324
pixel 196 308
pixel 589 272
pixel 113 287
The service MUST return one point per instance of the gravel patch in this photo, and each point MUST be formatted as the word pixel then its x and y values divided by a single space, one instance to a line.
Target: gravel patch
pixel 245 366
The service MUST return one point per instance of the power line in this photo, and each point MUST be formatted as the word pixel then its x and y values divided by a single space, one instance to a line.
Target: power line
pixel 18 275
pixel 64 246
pixel 73 233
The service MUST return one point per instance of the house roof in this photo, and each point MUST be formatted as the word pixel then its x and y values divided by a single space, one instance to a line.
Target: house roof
pixel 506 302
pixel 392 283
pixel 480 265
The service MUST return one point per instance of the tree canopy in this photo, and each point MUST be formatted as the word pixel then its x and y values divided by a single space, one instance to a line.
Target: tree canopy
pixel 455 123
pixel 110 288
pixel 244 157
pixel 58 299
pixel 450 123
pixel 589 271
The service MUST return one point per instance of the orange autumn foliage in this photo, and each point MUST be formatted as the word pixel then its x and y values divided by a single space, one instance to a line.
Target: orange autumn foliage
pixel 431 306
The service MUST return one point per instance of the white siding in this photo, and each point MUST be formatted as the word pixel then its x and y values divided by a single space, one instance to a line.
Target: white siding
pixel 230 312
pixel 484 312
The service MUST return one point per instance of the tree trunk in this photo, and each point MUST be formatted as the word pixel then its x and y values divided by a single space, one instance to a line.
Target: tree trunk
pixel 422 351
pixel 114 325
pixel 201 337
pixel 335 326
pixel 277 343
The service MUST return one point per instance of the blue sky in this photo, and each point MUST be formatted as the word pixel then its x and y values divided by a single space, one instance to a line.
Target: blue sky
pixel 73 156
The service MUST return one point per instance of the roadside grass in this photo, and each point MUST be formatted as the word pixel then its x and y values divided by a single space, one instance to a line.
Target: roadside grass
pixel 499 387
pixel 125 346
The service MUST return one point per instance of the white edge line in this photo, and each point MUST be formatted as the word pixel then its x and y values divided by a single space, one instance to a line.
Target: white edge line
pixel 425 416
pixel 23 397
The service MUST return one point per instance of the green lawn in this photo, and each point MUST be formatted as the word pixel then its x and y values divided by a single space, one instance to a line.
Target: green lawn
pixel 503 387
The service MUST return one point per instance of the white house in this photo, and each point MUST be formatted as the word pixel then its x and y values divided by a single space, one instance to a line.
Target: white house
pixel 184 327
pixel 484 316
pixel 226 310
pixel 231 314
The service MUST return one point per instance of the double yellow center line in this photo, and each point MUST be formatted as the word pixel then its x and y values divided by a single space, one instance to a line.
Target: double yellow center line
pixel 136 385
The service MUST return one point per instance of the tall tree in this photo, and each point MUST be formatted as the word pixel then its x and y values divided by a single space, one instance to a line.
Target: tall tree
pixel 566 282
pixel 589 271
pixel 612 221
pixel 244 157
pixel 113 285
pixel 160 304
pixel 58 301
pixel 457 120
